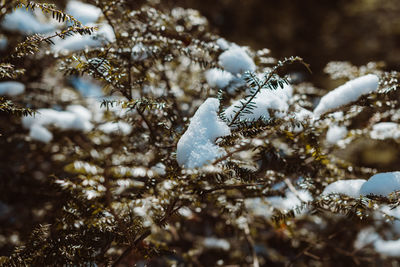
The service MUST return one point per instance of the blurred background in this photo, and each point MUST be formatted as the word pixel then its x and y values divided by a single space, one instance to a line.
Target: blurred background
pixel 320 31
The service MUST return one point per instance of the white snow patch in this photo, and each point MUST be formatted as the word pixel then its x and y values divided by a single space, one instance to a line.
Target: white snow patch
pixel 335 134
pixel 3 42
pixel 350 188
pixel 76 42
pixel 119 127
pixel 63 120
pixel 86 88
pixel 218 78
pixel 290 201
pixel 139 52
pixel 83 12
pixel 185 212
pixel 39 133
pixel 303 114
pixel 264 100
pixel 159 168
pixel 81 111
pixel 25 22
pixel 365 237
pixel 265 206
pixel 388 247
pixel 382 184
pixel 223 44
pixel 385 130
pixel 236 60
pixel 11 88
pixel 394 212
pixel 216 243
pixel 196 146
pixel 347 93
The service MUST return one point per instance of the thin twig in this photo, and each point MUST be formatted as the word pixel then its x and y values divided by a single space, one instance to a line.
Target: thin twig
pixel 251 243
pixel 152 133
pixel 131 247
pixel 293 189
pixel 267 79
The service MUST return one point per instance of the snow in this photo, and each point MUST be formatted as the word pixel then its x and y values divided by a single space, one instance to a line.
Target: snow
pixel 381 184
pixel 159 168
pixel 77 119
pixel 216 243
pixel 11 88
pixel 86 87
pixel 139 52
pixel 347 93
pixel 185 212
pixel 303 114
pixel 350 188
pixel 83 12
pixel 104 35
pixel 264 100
pixel 196 146
pixel 119 127
pixel 265 206
pixel 385 130
pixel 39 133
pixel 81 111
pixel 388 247
pixel 369 236
pixel 259 207
pixel 3 43
pixel 365 237
pixel 25 22
pixel 236 60
pixel 394 212
pixel 223 44
pixel 290 201
pixel 335 134
pixel 218 78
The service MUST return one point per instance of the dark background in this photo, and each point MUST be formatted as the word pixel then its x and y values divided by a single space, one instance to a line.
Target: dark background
pixel 320 31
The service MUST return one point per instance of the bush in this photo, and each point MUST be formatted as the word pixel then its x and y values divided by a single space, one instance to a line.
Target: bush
pixel 132 134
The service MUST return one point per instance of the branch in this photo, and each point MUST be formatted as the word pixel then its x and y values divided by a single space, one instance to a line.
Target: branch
pixel 267 79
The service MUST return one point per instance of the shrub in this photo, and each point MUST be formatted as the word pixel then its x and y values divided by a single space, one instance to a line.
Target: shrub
pixel 134 135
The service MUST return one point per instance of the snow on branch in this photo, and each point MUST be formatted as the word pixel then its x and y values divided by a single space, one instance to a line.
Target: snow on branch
pixel 347 93
pixel 196 146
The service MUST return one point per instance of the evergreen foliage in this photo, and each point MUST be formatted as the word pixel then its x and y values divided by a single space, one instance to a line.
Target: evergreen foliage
pixel 92 198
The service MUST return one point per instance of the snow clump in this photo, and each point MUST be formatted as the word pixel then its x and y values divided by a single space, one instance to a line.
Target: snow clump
pixel 369 236
pixel 264 207
pixel 266 99
pixel 387 247
pixel 11 88
pixel 85 13
pixel 139 52
pixel 236 60
pixel 39 133
pixel 382 184
pixel 216 243
pixel 104 35
pixel 75 118
pixel 218 78
pixel 335 134
pixel 349 188
pixel 25 22
pixel 119 127
pixel 385 130
pixel 196 146
pixel 3 42
pixel 347 93
pixel 86 88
